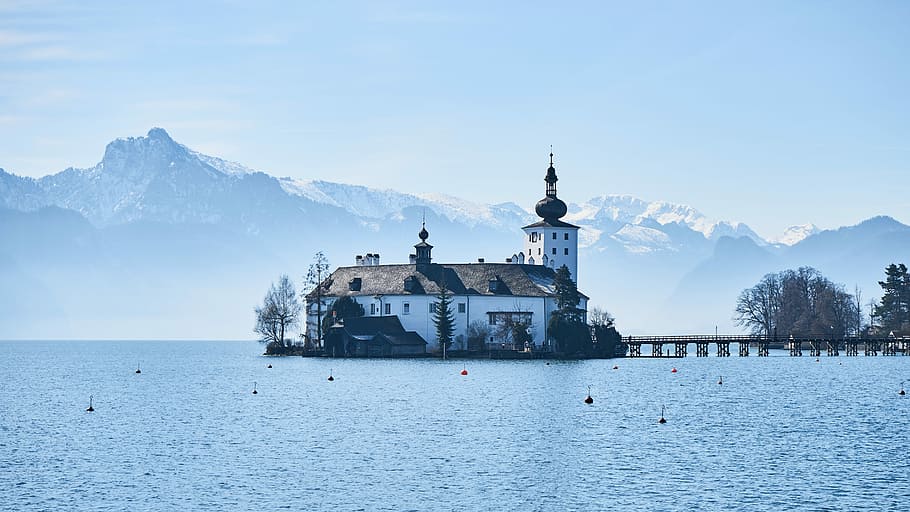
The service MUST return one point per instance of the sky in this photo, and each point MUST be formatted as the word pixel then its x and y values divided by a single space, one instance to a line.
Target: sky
pixel 768 113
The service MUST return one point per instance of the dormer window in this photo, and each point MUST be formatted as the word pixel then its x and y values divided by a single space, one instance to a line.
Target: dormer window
pixel 495 285
pixel 410 284
pixel 355 284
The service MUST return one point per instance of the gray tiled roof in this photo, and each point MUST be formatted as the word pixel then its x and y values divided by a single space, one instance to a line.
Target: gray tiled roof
pixel 460 279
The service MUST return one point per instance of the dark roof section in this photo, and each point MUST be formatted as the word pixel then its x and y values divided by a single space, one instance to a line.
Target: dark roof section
pixel 552 223
pixel 370 325
pixel 408 338
pixel 460 279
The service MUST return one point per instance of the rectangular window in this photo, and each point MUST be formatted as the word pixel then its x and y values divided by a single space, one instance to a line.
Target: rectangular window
pixel 388 309
pixel 372 309
pixel 461 307
pixel 554 250
pixel 566 251
pixel 565 236
pixel 405 308
pixel 538 251
pixel 554 235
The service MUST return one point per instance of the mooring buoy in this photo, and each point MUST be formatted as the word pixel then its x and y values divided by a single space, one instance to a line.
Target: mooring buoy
pixel 90 401
pixel 589 400
pixel 721 380
pixel 137 368
pixel 330 375
pixel 662 420
pixel 254 389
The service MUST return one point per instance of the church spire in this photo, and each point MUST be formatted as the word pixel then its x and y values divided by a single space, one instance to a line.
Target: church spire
pixel 424 250
pixel 551 208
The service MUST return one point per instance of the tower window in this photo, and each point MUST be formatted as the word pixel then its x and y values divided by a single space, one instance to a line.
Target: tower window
pixel 554 250
pixel 565 236
pixel 554 235
pixel 566 251
pixel 388 309
pixel 461 307
pixel 372 309
pixel 538 251
pixel 406 308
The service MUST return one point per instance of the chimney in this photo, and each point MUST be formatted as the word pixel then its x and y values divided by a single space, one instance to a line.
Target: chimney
pixel 369 259
pixel 479 260
pixel 508 260
pixel 376 257
pixel 412 258
pixel 358 260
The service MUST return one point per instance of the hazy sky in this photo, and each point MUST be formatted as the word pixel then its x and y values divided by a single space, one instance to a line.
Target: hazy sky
pixel 762 112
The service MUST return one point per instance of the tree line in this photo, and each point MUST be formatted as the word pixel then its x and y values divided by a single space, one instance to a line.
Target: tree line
pixel 803 302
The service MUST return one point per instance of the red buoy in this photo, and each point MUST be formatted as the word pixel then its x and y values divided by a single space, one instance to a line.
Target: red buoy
pixel 588 399
pixel 673 370
pixel 464 372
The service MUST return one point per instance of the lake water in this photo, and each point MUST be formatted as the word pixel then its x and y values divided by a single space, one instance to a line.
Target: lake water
pixel 781 433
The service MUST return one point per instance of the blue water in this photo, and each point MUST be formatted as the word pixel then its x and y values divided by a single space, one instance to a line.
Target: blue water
pixel 781 433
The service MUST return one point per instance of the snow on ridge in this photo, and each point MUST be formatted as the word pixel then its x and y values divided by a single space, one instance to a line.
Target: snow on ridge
pixel 224 166
pixel 795 234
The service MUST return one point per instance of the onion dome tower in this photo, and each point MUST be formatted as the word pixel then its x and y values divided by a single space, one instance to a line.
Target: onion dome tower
pixel 550 241
pixel 424 249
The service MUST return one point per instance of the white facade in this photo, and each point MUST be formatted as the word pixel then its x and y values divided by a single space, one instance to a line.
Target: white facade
pixel 552 247
pixel 415 314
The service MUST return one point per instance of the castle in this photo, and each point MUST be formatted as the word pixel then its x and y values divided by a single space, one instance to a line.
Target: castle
pixel 400 300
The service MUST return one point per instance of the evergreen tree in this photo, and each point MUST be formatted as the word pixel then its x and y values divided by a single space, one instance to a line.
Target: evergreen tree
pixel 894 310
pixel 566 325
pixel 344 307
pixel 444 318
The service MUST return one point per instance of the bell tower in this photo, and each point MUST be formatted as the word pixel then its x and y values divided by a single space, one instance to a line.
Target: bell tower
pixel 551 241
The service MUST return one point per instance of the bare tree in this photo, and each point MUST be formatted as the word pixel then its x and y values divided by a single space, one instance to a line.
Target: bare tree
pixel 279 312
pixel 600 317
pixel 756 307
pixel 478 334
pixel 316 274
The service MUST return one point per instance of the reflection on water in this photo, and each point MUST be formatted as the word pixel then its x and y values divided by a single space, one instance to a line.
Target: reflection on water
pixel 188 434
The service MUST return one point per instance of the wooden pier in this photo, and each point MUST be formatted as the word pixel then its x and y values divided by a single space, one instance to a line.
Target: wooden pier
pixel 832 346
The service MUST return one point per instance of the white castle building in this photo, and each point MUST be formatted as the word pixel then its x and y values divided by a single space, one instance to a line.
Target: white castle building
pixel 521 289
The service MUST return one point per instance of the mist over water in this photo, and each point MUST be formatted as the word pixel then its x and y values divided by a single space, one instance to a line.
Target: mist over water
pixel 187 433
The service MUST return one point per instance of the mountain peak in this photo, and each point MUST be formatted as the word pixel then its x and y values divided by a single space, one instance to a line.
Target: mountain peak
pixel 159 134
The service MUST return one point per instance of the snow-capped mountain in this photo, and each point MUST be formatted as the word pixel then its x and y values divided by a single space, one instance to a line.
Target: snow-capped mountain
pixel 157 232
pixel 796 234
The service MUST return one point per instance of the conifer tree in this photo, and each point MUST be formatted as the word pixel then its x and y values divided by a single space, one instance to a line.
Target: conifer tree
pixel 444 318
pixel 894 309
pixel 566 325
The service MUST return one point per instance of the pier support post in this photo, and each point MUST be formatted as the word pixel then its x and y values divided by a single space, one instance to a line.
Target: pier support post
pixel 815 348
pixel 680 349
pixel 851 347
pixel 743 348
pixel 657 350
pixel 634 349
pixel 796 347
pixel 833 348
pixel 870 347
pixel 763 348
pixel 723 349
pixel 701 349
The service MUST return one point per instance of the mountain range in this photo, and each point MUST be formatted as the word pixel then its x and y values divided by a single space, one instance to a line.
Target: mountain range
pixel 160 241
